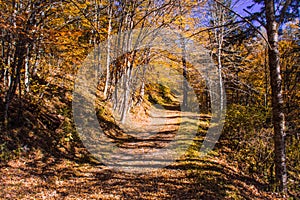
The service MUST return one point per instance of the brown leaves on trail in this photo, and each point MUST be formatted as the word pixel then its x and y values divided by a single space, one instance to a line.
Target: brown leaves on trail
pixel 38 175
pixel 41 177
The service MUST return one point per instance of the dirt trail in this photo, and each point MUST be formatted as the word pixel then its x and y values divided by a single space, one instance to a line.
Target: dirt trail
pixel 41 176
pixel 157 139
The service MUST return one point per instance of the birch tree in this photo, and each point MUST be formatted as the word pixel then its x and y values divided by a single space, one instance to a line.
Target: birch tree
pixel 274 14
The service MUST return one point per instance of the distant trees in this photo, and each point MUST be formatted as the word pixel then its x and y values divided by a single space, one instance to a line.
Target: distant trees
pixel 121 74
pixel 223 23
pixel 32 31
pixel 21 26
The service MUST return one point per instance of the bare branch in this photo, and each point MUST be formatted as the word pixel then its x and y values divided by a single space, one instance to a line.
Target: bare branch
pixel 214 27
pixel 237 14
pixel 259 21
pixel 283 10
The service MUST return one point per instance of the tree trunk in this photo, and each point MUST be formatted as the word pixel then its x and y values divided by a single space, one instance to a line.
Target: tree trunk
pixel 220 17
pixel 27 74
pixel 277 100
pixel 219 54
pixel 184 73
pixel 266 79
pixel 127 78
pixel 108 50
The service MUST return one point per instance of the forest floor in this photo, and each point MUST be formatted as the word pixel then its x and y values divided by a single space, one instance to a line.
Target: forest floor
pixel 42 176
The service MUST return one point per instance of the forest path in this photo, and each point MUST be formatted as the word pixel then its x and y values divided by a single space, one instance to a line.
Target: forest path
pixel 156 137
pixel 161 119
pixel 42 176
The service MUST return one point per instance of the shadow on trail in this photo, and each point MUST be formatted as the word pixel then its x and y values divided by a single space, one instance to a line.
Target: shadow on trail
pixel 188 179
pixel 60 170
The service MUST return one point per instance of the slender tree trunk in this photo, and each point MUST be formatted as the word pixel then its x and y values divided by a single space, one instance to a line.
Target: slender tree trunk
pixel 127 88
pixel 220 17
pixel 117 72
pixel 277 99
pixel 143 78
pixel 128 65
pixel 19 58
pixel 220 75
pixel 3 57
pixel 183 59
pixel 142 90
pixel 108 50
pixel 27 74
pixel 184 73
pixel 266 79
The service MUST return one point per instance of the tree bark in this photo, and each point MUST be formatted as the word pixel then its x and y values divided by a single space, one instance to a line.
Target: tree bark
pixel 220 17
pixel 108 49
pixel 27 73
pixel 277 98
pixel 184 73
pixel 127 78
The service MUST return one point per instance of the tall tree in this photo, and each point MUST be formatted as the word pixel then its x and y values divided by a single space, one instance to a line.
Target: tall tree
pixel 222 20
pixel 273 16
pixel 109 30
pixel 277 98
pixel 276 13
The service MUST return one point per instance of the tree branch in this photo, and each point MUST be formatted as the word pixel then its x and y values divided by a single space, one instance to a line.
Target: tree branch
pixel 237 14
pixel 259 21
pixel 214 27
pixel 283 10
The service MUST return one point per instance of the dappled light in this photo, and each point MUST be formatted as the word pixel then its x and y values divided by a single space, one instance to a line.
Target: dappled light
pixel 149 99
